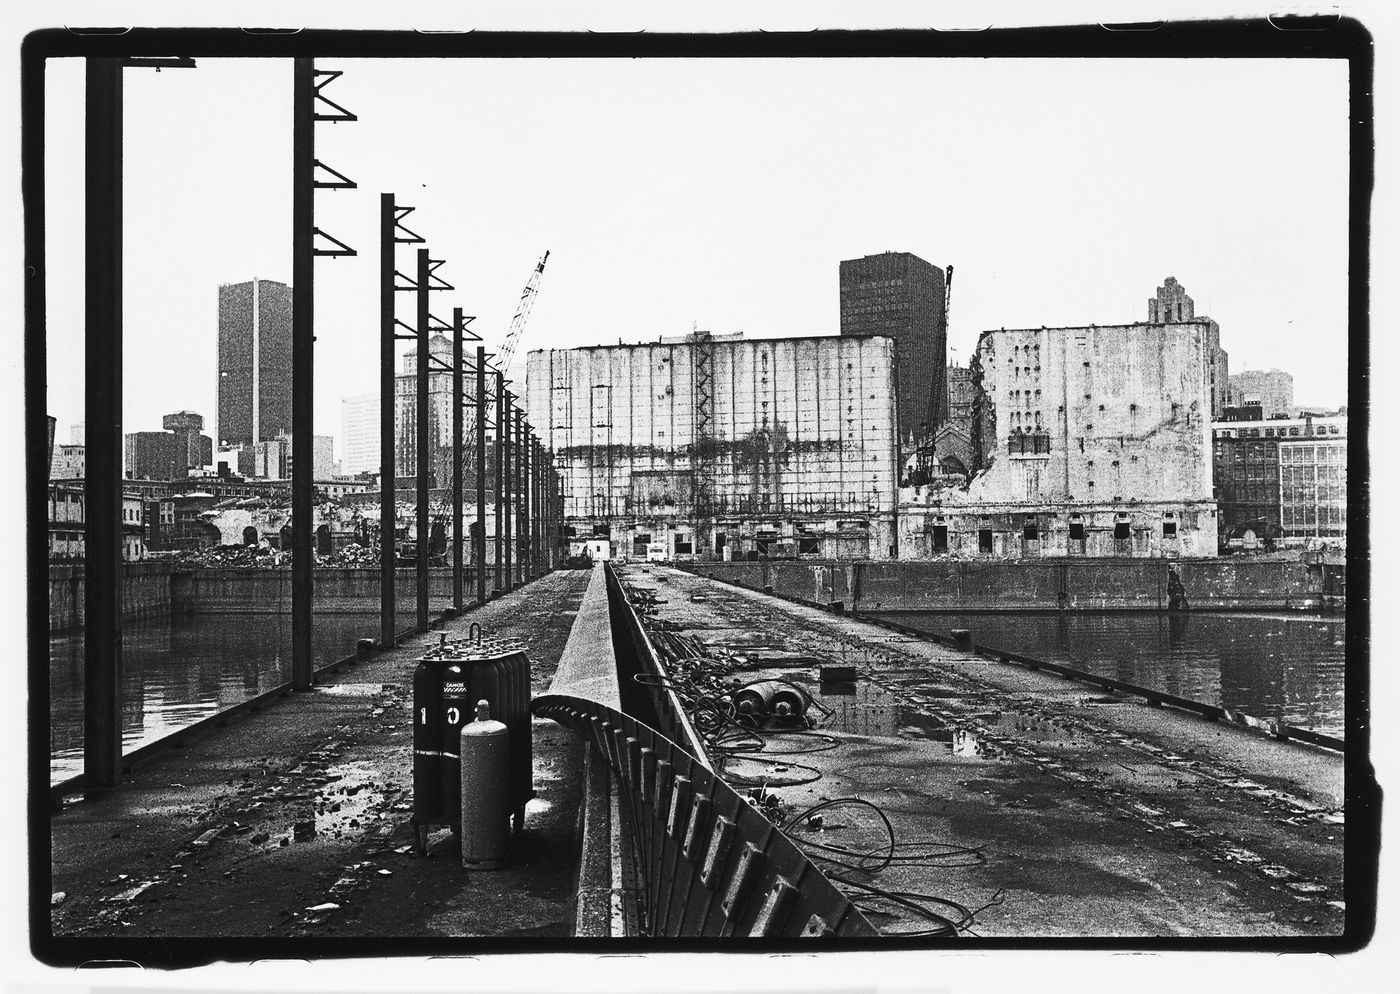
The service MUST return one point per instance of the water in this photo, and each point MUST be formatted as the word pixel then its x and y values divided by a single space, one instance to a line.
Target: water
pixel 181 668
pixel 1281 666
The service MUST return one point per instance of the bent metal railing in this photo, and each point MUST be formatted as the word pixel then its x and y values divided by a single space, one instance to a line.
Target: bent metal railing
pixel 688 855
pixel 710 864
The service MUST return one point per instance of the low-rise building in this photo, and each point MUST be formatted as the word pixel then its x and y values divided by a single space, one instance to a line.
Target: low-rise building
pixel 1279 480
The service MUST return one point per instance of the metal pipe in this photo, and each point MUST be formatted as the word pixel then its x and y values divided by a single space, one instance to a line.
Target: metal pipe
pixel 481 474
pixel 388 402
pixel 421 455
pixel 498 477
pixel 457 400
pixel 102 643
pixel 303 362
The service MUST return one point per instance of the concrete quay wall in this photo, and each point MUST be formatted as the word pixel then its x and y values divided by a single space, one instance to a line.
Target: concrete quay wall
pixel 1098 585
pixel 145 593
pixel 155 589
pixel 336 591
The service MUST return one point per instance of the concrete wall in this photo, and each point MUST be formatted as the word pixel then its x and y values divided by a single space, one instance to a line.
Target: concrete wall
pixel 337 591
pixel 1104 585
pixel 154 589
pixel 145 593
pixel 799 426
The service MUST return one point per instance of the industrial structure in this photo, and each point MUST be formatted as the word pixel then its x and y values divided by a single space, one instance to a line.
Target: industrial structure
pixel 716 447
pixel 1171 305
pixel 171 454
pixel 255 362
pixel 899 295
pixel 1089 441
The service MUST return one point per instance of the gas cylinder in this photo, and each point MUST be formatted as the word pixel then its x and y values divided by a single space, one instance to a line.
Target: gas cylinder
pixel 427 741
pixel 484 748
pixel 456 713
pixel 755 699
pixel 789 701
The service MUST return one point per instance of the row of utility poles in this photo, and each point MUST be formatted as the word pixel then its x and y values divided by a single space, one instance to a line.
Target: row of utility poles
pixel 525 488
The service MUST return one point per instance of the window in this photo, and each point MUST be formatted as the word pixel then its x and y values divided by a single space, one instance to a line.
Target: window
pixel 684 545
pixel 940 538
pixel 984 540
pixel 1169 529
pixel 808 545
pixel 1076 531
pixel 1031 532
pixel 1120 529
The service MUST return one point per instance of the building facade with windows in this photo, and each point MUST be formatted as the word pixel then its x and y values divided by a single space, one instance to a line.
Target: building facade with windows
pixel 255 362
pixel 359 434
pixel 717 447
pixel 1271 388
pixel 899 295
pixel 1087 441
pixel 1280 481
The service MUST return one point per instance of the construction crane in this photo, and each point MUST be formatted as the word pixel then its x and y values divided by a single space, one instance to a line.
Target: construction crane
pixel 522 313
pixel 502 361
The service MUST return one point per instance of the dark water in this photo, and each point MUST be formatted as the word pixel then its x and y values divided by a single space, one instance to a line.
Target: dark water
pixel 181 668
pixel 1281 666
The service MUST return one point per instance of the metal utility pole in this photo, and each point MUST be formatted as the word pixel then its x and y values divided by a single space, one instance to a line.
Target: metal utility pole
pixel 420 461
pixel 480 475
pixel 391 233
pixel 102 341
pixel 388 514
pixel 306 93
pixel 458 329
pixel 496 584
pixel 508 489
pixel 102 643
pixel 523 440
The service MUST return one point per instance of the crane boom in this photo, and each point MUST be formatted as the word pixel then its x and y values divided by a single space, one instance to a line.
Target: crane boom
pixel 522 312
pixel 517 325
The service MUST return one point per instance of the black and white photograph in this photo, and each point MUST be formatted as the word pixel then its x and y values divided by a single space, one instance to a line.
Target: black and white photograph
pixel 760 492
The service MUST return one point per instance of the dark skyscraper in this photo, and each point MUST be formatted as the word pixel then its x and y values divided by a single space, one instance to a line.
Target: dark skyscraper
pixel 255 362
pixel 900 295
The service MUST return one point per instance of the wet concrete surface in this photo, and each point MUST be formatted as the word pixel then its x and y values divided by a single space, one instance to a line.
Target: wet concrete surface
pixel 1078 813
pixel 294 821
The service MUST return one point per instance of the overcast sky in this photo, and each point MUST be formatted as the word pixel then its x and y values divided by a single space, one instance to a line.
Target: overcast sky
pixel 723 193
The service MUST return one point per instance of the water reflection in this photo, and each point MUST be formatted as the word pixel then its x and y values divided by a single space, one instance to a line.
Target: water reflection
pixel 1286 667
pixel 179 669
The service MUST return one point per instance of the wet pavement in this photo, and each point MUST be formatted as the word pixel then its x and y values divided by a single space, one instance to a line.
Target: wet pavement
pixel 294 821
pixel 1057 809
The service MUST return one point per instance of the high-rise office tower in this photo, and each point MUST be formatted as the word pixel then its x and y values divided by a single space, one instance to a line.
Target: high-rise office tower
pixel 359 433
pixel 902 296
pixel 255 362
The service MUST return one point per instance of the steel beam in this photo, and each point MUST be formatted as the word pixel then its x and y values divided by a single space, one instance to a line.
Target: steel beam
pixel 421 456
pixel 481 474
pixel 102 642
pixel 457 401
pixel 388 508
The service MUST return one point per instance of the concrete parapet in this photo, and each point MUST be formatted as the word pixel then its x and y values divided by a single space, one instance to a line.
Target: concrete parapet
pixel 1032 585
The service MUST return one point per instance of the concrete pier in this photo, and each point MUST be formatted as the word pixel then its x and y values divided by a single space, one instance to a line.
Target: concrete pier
pixel 1093 815
pixel 294 821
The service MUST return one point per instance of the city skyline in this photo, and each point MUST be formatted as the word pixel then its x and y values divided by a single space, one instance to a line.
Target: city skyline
pixel 716 218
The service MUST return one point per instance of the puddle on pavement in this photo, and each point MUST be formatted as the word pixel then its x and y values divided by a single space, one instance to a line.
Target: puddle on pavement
pixel 339 805
pixel 350 689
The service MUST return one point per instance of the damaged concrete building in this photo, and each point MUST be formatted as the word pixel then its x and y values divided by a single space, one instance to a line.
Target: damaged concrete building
pixel 715 447
pixel 1091 441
